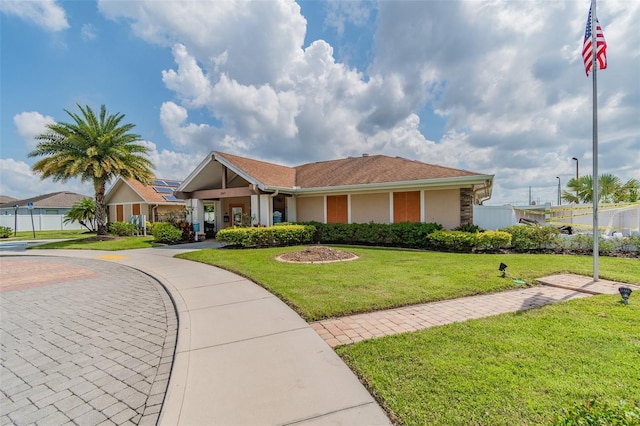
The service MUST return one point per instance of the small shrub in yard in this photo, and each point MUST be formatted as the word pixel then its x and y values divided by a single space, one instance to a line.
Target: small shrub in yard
pixel 5 232
pixel 164 232
pixel 457 241
pixel 594 413
pixel 493 240
pixel 123 229
pixel 524 237
pixel 273 236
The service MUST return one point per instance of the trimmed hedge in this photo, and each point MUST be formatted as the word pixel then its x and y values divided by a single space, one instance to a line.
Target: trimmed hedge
pixel 273 236
pixel 525 237
pixel 461 241
pixel 405 234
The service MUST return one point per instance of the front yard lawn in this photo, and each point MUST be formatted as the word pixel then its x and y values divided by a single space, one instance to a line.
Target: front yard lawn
pixel 387 278
pixel 512 369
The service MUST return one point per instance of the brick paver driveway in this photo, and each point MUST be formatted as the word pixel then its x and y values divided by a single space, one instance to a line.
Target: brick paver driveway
pixel 82 340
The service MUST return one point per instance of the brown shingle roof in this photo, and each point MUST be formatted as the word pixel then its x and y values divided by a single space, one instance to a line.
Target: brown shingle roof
pixel 347 171
pixel 54 199
pixel 149 194
pixel 371 169
pixel 267 173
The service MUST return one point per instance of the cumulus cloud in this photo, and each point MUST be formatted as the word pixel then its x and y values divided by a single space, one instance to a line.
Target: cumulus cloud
pixel 505 77
pixel 44 13
pixel 17 179
pixel 31 124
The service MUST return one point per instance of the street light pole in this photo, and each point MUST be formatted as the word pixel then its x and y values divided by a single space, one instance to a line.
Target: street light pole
pixel 559 201
pixel 577 176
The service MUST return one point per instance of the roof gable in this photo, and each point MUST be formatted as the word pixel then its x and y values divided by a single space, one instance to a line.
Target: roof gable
pixel 268 174
pixel 160 192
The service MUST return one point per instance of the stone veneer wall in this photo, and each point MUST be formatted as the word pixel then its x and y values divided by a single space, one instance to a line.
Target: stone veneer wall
pixel 466 206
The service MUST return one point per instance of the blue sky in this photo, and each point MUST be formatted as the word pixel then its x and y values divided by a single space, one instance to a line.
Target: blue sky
pixel 495 87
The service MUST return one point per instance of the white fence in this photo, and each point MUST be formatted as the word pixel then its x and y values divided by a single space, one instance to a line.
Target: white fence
pixel 623 217
pixel 41 222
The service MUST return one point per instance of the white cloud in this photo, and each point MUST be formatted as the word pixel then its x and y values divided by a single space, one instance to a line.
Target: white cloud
pixel 505 76
pixel 339 13
pixel 18 181
pixel 31 124
pixel 170 164
pixel 44 13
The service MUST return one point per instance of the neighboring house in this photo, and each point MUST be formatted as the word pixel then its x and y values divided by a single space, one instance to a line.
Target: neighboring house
pixel 6 199
pixel 128 197
pixel 371 188
pixel 46 210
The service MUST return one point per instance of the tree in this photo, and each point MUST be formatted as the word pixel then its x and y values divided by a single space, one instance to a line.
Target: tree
pixel 83 212
pixel 610 190
pixel 93 149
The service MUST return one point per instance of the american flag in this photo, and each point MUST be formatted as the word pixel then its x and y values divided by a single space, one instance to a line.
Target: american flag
pixel 587 48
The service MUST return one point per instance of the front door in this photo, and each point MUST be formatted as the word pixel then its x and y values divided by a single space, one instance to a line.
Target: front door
pixel 237 211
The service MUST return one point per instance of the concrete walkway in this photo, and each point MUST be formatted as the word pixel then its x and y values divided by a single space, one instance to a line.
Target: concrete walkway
pixel 243 357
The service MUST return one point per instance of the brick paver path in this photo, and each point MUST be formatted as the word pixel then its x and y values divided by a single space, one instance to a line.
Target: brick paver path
pixel 82 342
pixel 354 328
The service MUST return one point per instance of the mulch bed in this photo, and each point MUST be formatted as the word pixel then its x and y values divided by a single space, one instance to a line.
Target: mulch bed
pixel 317 254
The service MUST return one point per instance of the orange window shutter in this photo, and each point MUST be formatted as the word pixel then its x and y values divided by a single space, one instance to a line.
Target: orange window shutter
pixel 406 206
pixel 337 210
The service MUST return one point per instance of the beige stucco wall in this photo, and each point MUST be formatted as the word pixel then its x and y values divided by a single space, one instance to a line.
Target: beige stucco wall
pixel 370 208
pixel 443 207
pixel 245 202
pixel 310 209
pixel 124 194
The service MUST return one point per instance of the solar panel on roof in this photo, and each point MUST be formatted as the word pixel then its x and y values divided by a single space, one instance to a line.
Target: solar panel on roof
pixel 171 198
pixel 159 182
pixel 163 190
pixel 172 184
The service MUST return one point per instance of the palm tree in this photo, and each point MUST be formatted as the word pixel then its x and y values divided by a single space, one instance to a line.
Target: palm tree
pixel 629 192
pixel 83 212
pixel 609 189
pixel 95 149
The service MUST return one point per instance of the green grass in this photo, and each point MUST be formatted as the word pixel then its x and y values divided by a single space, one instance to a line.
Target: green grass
pixel 512 369
pixel 48 235
pixel 121 243
pixel 383 278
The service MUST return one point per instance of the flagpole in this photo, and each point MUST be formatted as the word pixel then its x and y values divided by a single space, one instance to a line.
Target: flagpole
pixel 594 70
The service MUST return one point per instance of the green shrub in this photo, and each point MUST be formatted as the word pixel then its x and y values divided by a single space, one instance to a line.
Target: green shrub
pixel 634 242
pixel 457 241
pixel 525 237
pixel 5 231
pixel 404 234
pixel 584 242
pixel 273 236
pixel 493 240
pixel 164 232
pixel 123 229
pixel 469 227
pixel 594 413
